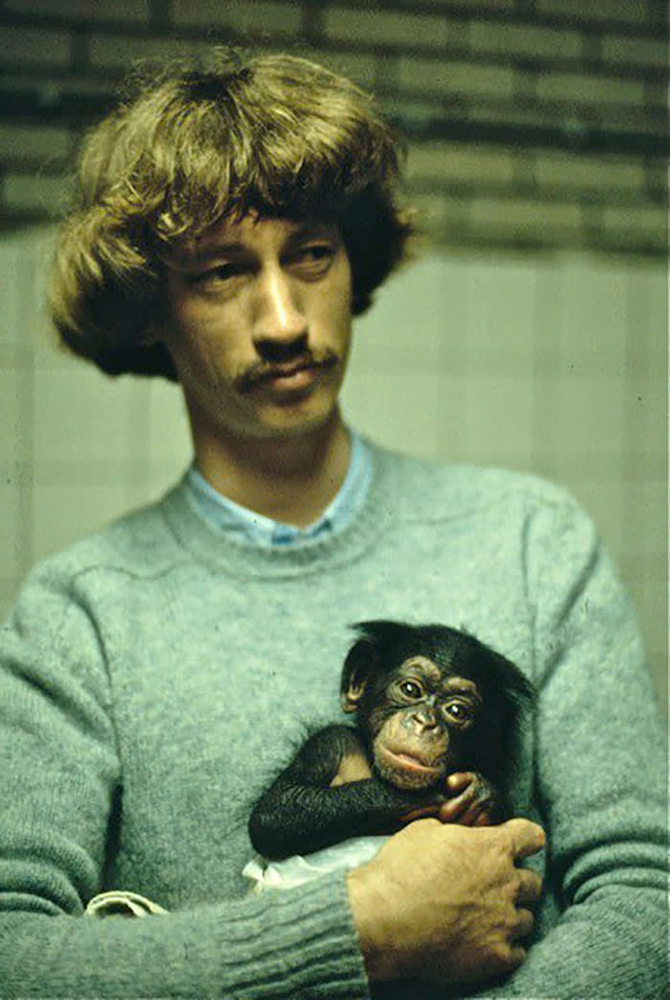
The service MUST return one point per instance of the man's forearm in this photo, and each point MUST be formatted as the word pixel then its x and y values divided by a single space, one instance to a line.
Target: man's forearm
pixel 280 945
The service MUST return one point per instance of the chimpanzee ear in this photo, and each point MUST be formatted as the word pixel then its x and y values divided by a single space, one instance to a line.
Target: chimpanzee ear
pixel 350 698
pixel 360 662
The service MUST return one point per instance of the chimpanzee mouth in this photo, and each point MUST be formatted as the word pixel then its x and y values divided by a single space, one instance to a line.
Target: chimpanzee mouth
pixel 411 762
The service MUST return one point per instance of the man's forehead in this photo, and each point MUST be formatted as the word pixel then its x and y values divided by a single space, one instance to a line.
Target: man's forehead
pixel 251 231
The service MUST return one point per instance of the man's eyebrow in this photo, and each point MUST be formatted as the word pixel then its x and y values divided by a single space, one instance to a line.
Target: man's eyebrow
pixel 238 248
pixel 312 231
pixel 205 253
pixel 312 228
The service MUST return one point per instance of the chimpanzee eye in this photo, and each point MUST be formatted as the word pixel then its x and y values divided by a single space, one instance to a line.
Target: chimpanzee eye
pixel 458 711
pixel 411 689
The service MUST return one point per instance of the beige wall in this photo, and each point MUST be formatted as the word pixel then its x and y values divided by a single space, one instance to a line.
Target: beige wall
pixel 552 364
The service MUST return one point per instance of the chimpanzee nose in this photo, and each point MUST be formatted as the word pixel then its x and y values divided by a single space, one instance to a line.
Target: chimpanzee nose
pixel 422 717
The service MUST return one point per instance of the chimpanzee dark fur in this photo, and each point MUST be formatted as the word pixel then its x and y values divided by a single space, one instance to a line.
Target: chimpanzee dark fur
pixel 430 701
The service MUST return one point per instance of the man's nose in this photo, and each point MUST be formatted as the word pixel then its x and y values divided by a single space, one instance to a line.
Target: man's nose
pixel 279 319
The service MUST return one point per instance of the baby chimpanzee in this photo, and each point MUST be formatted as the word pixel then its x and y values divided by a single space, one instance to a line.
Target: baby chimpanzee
pixel 437 713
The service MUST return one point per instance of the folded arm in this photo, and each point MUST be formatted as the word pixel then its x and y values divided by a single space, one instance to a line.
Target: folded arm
pixel 58 786
pixel 600 755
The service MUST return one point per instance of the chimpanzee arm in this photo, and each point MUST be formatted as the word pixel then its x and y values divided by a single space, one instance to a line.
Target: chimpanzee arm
pixel 301 812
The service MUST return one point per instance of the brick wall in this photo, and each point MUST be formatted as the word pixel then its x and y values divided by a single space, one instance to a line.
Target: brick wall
pixel 530 123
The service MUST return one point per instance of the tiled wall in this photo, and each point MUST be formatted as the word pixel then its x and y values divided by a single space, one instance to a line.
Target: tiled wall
pixel 555 365
pixel 531 123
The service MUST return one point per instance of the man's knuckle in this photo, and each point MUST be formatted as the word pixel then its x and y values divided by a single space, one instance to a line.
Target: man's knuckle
pixel 501 956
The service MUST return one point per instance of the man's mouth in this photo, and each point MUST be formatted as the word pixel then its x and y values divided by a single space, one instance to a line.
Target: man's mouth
pixel 282 373
pixel 296 375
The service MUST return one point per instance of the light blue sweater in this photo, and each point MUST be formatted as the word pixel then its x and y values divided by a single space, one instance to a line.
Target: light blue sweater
pixel 155 675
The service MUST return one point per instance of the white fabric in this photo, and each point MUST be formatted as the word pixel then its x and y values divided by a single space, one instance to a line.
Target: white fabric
pixel 294 871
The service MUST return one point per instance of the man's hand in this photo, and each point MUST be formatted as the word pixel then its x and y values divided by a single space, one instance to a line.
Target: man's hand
pixel 446 902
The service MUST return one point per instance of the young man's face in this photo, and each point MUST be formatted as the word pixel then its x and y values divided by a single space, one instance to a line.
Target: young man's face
pixel 258 324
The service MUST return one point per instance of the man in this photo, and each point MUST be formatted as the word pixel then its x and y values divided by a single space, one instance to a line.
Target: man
pixel 229 224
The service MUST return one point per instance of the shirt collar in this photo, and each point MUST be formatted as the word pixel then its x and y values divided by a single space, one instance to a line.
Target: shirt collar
pixel 231 518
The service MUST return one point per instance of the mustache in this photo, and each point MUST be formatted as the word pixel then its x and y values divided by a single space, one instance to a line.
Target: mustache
pixel 263 371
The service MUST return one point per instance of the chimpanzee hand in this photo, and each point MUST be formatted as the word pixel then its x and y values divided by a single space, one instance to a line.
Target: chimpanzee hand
pixel 422 805
pixel 472 800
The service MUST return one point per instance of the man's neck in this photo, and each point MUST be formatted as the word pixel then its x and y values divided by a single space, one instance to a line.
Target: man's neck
pixel 288 479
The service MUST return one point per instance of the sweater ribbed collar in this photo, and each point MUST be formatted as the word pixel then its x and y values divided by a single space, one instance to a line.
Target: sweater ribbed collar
pixel 232 554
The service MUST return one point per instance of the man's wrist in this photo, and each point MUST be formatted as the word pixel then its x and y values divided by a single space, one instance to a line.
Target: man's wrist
pixel 367 907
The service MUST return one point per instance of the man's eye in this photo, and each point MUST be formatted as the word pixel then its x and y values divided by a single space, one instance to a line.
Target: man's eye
pixel 222 272
pixel 218 275
pixel 314 258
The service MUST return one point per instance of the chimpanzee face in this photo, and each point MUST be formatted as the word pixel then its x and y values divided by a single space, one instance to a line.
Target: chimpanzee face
pixel 430 700
pixel 418 723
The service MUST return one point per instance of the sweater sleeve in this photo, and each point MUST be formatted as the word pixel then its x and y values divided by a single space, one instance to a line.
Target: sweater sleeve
pixel 59 778
pixel 600 755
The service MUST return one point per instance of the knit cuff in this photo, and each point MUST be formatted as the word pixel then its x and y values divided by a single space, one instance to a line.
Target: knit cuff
pixel 300 942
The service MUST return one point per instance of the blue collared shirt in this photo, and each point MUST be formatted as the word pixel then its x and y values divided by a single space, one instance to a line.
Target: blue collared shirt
pixel 234 519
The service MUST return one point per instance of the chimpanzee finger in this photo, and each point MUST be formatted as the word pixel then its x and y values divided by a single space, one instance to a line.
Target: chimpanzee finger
pixel 472 801
pixel 461 788
pixel 420 812
pixel 485 818
pixel 477 813
pixel 455 810
pixel 460 780
pixel 451 810
pixel 470 785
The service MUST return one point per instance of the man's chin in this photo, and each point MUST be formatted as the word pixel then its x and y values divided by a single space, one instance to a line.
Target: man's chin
pixel 295 412
pixel 285 422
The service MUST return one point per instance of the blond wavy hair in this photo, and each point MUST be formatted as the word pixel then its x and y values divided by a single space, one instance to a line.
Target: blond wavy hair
pixel 274 133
